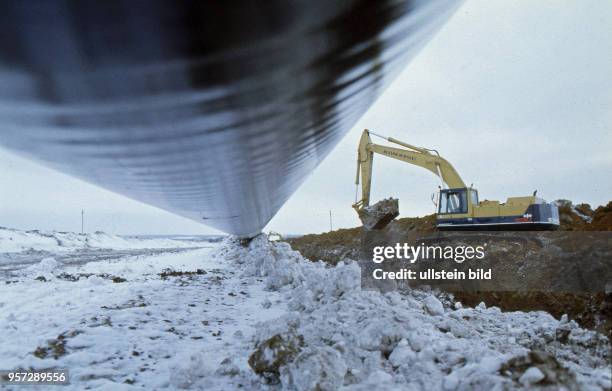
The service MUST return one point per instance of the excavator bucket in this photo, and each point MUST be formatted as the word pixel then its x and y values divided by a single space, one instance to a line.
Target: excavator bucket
pixel 379 215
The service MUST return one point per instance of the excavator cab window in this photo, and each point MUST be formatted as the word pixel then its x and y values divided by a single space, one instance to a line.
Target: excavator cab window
pixel 453 201
pixel 473 197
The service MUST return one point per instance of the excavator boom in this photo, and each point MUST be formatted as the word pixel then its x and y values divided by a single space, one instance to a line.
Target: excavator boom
pixel 426 158
pixel 382 213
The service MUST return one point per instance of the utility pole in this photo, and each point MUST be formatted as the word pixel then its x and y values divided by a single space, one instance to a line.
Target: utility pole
pixel 82 221
pixel 331 227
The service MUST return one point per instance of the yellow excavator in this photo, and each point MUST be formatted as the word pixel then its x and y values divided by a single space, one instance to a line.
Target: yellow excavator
pixel 458 207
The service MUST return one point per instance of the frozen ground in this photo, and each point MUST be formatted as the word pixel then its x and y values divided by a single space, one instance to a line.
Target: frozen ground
pixel 22 249
pixel 197 318
pixel 17 241
pixel 131 320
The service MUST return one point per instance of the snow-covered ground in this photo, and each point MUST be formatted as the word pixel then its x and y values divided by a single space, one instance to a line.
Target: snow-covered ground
pixel 14 241
pixel 146 330
pixel 262 317
pixel 24 249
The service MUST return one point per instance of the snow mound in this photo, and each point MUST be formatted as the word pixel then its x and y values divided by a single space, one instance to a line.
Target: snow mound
pixel 13 241
pixel 44 268
pixel 337 335
pixel 188 370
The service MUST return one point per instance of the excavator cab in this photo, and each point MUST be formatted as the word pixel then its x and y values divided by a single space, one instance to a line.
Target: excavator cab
pixel 456 201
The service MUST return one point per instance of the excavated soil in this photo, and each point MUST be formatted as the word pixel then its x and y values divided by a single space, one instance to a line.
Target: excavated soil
pixel 334 246
pixel 582 217
pixel 590 309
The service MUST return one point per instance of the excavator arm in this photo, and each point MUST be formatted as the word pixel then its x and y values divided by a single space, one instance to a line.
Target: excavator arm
pixel 426 158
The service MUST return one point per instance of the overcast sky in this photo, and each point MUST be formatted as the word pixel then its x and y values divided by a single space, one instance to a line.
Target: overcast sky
pixel 516 95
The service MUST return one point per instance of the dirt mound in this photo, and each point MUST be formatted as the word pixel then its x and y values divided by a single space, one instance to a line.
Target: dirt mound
pixel 539 369
pixel 334 246
pixel 602 218
pixel 582 217
pixel 569 219
pixel 585 209
pixel 331 247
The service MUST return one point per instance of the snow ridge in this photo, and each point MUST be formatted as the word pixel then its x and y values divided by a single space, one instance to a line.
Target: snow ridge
pixel 337 336
pixel 14 241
